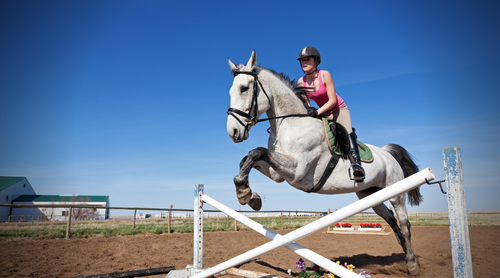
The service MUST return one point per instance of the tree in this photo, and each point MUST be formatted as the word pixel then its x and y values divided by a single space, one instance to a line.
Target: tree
pixel 83 213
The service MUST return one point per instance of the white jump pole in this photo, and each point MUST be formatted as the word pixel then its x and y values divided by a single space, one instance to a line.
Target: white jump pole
pixel 457 214
pixel 359 206
pixel 294 247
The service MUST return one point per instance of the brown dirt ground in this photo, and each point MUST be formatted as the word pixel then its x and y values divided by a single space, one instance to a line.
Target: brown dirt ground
pixel 381 255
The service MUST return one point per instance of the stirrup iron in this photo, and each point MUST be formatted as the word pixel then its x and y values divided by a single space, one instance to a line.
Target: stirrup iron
pixel 358 179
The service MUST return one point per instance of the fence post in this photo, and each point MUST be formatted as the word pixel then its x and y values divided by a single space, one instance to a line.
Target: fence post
pixel 135 212
pixel 169 217
pixel 282 220
pixel 69 224
pixel 457 213
pixel 329 225
pixel 198 226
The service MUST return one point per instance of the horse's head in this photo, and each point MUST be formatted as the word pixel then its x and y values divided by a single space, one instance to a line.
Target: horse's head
pixel 247 104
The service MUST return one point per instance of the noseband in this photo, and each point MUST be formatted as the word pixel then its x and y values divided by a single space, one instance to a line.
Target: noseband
pixel 254 106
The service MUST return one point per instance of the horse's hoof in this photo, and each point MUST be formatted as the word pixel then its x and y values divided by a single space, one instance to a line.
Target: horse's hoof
pixel 413 271
pixel 244 195
pixel 255 202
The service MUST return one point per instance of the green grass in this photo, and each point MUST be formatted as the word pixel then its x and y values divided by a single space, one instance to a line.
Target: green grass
pixel 109 228
pixel 53 230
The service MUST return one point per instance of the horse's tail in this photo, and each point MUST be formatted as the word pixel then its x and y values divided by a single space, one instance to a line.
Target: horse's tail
pixel 409 168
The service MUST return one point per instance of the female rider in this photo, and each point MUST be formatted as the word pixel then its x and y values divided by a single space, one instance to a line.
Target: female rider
pixel 331 106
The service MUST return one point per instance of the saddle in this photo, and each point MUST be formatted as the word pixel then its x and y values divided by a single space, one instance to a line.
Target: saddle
pixel 338 141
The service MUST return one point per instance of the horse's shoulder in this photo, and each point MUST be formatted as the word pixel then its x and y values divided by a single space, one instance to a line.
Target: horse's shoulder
pixel 302 131
pixel 305 125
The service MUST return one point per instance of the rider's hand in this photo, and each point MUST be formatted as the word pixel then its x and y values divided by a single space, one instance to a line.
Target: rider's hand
pixel 313 112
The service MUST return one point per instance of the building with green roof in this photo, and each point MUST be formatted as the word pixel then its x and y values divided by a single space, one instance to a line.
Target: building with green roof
pixel 61 213
pixel 18 190
pixel 10 189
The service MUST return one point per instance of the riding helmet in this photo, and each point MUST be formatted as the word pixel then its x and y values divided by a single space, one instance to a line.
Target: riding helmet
pixel 309 51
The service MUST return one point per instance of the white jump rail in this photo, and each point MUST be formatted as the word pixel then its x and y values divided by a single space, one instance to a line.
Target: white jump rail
pixel 288 239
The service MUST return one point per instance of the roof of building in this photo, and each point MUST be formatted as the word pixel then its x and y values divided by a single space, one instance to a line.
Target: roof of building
pixel 8 181
pixel 61 198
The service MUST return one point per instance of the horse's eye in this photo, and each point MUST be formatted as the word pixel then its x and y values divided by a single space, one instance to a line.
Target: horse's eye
pixel 244 89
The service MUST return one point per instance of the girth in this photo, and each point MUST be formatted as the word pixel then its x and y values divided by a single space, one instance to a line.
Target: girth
pixel 338 151
pixel 326 174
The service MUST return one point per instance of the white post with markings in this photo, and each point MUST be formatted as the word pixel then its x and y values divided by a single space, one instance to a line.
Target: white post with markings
pixel 457 214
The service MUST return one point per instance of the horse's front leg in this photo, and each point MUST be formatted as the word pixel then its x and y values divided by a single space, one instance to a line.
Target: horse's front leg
pixel 243 190
pixel 258 155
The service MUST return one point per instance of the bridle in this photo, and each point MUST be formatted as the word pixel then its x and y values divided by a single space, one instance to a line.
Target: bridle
pixel 252 115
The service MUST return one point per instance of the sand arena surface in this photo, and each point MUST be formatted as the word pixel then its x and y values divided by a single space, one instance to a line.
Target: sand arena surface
pixel 381 255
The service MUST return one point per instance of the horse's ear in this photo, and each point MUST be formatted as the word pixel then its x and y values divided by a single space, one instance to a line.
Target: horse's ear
pixel 252 62
pixel 231 65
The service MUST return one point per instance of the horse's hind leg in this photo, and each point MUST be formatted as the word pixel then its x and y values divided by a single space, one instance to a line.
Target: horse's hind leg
pixel 402 232
pixel 399 205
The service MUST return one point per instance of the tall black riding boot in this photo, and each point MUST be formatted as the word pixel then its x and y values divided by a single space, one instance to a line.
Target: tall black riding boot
pixel 357 169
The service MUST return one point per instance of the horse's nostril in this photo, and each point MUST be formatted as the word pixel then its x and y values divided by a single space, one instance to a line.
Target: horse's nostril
pixel 235 133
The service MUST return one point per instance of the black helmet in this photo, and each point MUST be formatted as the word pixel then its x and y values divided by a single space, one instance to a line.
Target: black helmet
pixel 309 51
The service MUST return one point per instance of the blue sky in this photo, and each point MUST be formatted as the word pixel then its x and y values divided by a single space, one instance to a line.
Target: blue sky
pixel 129 98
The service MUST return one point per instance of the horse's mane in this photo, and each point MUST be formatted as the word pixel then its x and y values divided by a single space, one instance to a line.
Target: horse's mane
pixel 299 92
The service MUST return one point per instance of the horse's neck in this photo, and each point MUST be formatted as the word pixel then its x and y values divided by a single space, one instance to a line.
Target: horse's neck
pixel 283 100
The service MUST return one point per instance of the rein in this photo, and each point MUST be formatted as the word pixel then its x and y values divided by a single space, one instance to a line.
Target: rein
pixel 254 105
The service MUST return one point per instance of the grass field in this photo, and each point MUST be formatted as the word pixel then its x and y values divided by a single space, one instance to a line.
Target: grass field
pixel 125 225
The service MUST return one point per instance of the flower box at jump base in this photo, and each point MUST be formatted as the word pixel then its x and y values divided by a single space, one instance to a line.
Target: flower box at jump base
pixel 359 228
pixel 370 227
pixel 343 227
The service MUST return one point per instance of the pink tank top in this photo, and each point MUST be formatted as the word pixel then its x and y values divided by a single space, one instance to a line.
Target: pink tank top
pixel 321 96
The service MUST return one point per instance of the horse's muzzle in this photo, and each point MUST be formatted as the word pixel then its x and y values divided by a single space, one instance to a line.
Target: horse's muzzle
pixel 238 136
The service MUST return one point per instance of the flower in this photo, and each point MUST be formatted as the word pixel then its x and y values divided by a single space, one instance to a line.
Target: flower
pixel 370 225
pixel 350 267
pixel 318 272
pixel 365 274
pixel 300 264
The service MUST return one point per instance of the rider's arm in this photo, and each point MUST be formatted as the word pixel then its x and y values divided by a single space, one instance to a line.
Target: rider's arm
pixel 330 90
